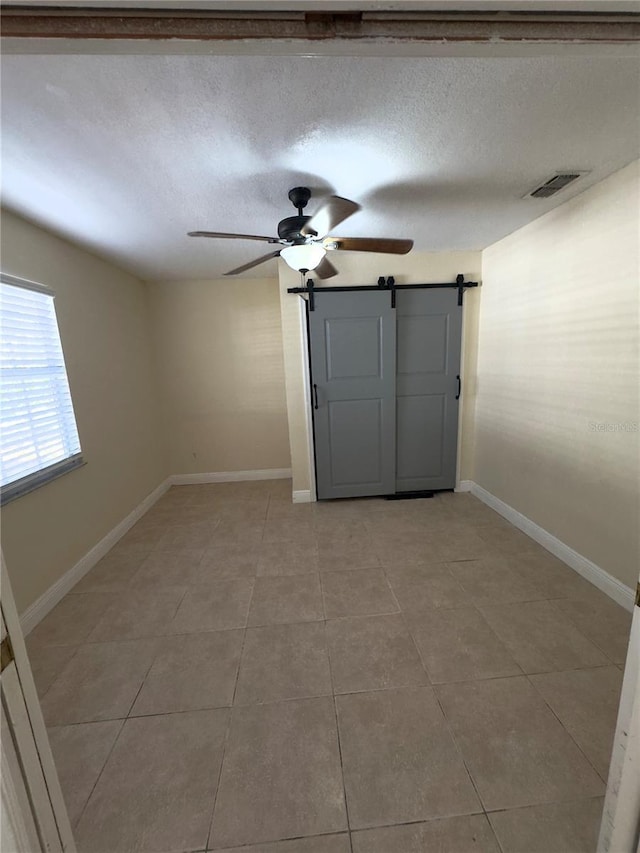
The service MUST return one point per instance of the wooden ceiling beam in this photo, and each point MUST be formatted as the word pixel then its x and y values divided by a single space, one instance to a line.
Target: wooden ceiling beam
pixel 409 27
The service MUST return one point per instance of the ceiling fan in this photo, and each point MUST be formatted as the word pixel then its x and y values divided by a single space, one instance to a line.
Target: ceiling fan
pixel 304 241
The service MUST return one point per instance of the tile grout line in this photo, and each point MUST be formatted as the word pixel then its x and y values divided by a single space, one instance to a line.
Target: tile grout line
pixel 546 803
pixel 501 641
pixel 230 718
pixel 214 707
pixel 158 652
pixel 242 848
pixel 608 660
pixel 344 787
pixel 419 653
pixel 403 613
pixel 244 639
pixel 501 847
pixel 573 740
pixel 417 649
pixel 227 735
pixel 552 602
pixel 335 710
pixel 383 569
pixel 99 776
pixel 459 751
pixel 60 674
pixel 335 713
pixel 492 812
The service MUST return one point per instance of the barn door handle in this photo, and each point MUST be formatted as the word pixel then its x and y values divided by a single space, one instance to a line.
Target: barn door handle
pixel 459 387
pixel 315 396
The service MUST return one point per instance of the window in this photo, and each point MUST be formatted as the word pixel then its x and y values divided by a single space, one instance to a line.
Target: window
pixel 38 433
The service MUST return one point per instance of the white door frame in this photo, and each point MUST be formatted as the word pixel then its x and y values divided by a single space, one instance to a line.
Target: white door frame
pixel 18 830
pixel 32 806
pixel 620 828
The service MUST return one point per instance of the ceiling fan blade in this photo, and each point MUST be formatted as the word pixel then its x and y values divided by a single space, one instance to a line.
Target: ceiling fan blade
pixel 325 269
pixel 334 211
pixel 232 236
pixel 254 263
pixel 369 244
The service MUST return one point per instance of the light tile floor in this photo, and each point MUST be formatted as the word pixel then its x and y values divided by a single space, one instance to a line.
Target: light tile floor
pixel 368 676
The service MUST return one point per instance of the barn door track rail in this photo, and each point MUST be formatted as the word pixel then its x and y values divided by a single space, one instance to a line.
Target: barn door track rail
pixel 383 284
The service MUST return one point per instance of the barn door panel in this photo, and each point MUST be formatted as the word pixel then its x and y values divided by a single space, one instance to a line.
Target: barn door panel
pixel 429 335
pixel 353 347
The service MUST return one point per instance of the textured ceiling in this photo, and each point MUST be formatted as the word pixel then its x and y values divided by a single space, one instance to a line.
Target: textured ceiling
pixel 125 154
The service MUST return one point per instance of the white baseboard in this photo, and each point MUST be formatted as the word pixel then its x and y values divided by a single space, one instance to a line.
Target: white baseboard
pixel 464 486
pixel 302 497
pixel 230 476
pixel 596 575
pixel 48 600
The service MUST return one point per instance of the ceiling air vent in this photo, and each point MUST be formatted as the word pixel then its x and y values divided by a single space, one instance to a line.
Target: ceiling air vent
pixel 558 182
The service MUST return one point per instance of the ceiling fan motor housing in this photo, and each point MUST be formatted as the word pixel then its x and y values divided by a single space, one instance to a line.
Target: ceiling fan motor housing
pixel 299 196
pixel 289 228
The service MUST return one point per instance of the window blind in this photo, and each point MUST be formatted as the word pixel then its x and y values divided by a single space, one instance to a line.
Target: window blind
pixel 38 433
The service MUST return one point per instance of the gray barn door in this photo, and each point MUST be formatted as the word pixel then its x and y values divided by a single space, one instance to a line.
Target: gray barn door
pixel 353 347
pixel 429 331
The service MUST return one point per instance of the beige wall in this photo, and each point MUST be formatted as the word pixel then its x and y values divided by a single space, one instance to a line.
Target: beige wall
pixel 104 326
pixel 558 354
pixel 359 268
pixel 218 347
pixel 190 377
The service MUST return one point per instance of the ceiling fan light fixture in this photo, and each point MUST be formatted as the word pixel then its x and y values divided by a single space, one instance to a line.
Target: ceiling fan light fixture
pixel 304 257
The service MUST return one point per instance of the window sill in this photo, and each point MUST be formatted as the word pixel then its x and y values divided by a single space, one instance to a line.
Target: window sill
pixel 28 484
